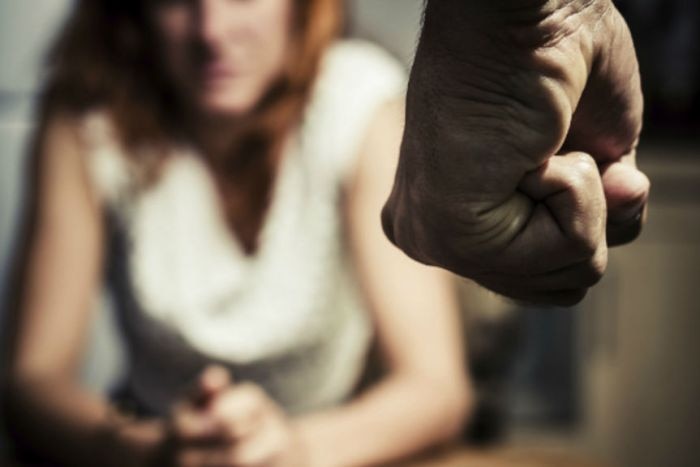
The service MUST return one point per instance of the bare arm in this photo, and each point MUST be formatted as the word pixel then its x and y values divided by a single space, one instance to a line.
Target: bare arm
pixel 49 410
pixel 424 398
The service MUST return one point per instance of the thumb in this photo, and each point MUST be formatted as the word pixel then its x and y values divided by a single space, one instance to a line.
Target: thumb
pixel 626 194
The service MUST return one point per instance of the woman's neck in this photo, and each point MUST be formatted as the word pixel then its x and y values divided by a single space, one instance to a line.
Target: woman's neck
pixel 213 135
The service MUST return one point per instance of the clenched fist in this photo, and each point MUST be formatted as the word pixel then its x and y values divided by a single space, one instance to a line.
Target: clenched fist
pixel 517 166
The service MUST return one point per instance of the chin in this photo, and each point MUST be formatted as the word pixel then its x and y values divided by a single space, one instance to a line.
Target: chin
pixel 228 104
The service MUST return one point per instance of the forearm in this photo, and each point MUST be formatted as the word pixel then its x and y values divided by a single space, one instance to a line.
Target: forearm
pixel 402 415
pixel 61 422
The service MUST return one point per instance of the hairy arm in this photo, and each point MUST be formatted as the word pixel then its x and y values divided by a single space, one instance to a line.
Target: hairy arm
pixel 498 89
pixel 425 396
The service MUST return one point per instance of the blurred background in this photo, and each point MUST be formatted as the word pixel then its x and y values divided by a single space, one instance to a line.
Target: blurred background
pixel 617 379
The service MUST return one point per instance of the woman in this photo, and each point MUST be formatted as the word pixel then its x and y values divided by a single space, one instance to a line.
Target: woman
pixel 225 163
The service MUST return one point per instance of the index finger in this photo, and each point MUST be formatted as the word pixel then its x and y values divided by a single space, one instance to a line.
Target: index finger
pixel 211 382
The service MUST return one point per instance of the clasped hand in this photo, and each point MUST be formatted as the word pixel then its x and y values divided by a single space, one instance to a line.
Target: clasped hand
pixel 224 424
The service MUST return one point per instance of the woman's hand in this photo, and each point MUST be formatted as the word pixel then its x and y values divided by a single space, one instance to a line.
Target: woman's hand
pixel 226 424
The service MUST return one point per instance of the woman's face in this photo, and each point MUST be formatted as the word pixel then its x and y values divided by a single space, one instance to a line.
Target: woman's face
pixel 221 55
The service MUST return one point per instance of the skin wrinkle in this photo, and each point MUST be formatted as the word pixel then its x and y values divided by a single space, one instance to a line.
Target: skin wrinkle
pixel 519 110
pixel 502 227
pixel 512 108
pixel 507 221
pixel 620 136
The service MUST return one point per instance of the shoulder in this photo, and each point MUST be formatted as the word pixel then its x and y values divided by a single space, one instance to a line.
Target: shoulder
pixel 356 80
pixel 349 54
pixel 90 140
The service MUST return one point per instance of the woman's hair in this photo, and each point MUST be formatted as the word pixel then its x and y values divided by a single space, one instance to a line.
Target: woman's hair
pixel 104 59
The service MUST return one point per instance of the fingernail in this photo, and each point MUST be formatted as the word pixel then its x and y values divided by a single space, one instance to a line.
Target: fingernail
pixel 216 376
pixel 627 215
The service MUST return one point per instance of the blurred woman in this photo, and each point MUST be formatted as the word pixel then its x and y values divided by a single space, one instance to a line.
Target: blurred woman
pixel 223 163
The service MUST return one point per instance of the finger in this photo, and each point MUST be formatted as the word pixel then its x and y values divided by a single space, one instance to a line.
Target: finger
pixel 190 425
pixel 213 380
pixel 568 222
pixel 241 410
pixel 580 275
pixel 570 186
pixel 627 194
pixel 219 456
pixel 189 422
pixel 263 448
pixel 626 191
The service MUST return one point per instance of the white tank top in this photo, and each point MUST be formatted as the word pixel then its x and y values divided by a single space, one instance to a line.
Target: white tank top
pixel 288 318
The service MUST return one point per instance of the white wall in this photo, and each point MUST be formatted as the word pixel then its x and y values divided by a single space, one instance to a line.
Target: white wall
pixel 26 30
pixel 391 23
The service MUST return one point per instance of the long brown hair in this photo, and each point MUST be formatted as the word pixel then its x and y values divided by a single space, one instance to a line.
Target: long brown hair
pixel 103 59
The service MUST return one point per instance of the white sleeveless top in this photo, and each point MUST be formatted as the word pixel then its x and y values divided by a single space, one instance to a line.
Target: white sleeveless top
pixel 288 318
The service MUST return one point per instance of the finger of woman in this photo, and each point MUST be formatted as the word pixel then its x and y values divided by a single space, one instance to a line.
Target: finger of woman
pixel 191 425
pixel 241 410
pixel 213 380
pixel 218 456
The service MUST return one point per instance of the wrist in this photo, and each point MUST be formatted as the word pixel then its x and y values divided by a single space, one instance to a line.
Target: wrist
pixel 512 24
pixel 132 442
pixel 311 442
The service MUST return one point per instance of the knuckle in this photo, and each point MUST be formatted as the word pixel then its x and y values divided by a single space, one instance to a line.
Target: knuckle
pixel 599 265
pixel 594 274
pixel 584 245
pixel 585 164
pixel 594 269
pixel 583 173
